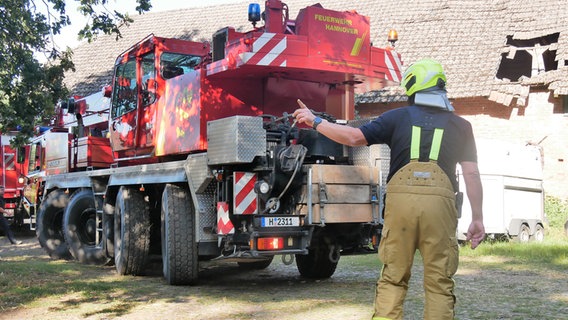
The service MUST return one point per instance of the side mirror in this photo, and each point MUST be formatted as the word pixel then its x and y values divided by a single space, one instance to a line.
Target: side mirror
pixel 21 155
pixel 149 92
pixel 71 105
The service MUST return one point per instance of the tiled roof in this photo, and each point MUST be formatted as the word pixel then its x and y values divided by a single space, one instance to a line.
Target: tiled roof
pixel 466 36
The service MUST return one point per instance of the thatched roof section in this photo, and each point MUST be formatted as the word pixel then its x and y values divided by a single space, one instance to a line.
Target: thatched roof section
pixel 469 37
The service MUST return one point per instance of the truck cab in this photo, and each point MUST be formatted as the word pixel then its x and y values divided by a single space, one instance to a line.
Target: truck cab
pixel 145 111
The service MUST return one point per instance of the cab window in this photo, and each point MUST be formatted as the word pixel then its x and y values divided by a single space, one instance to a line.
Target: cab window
pixel 124 96
pixel 175 64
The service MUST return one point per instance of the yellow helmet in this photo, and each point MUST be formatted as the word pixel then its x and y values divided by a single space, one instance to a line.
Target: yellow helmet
pixel 423 74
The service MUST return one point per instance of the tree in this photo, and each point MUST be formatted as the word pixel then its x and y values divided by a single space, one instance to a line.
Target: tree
pixel 29 89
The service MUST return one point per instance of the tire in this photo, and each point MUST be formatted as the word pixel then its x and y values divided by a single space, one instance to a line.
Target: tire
pixel 256 265
pixel 131 232
pixel 538 235
pixel 49 225
pixel 316 264
pixel 179 248
pixel 566 228
pixel 524 234
pixel 108 236
pixel 79 225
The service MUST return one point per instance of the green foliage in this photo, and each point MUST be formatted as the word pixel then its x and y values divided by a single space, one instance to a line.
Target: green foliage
pixel 106 22
pixel 556 211
pixel 29 90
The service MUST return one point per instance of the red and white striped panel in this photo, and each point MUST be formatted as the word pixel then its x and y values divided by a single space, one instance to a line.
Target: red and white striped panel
pixel 9 161
pixel 394 65
pixel 224 224
pixel 244 197
pixel 267 50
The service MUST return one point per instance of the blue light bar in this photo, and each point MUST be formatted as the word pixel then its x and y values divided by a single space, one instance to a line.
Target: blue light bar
pixel 254 13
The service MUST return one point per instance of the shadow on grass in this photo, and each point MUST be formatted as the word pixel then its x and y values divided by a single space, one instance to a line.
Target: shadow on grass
pixel 67 286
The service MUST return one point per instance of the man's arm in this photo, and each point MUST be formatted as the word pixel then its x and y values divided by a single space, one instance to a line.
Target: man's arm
pixel 474 190
pixel 339 133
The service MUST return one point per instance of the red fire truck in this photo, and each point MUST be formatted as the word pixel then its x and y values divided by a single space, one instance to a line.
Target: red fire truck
pixel 54 149
pixel 12 174
pixel 200 159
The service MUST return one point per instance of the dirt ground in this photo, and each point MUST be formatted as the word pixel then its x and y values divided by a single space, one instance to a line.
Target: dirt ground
pixel 224 292
pixel 278 292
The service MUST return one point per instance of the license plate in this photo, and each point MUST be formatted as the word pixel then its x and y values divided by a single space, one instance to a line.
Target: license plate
pixel 280 222
pixel 9 213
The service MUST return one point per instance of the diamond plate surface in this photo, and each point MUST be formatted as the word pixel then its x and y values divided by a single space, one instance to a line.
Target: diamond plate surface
pixel 200 181
pixel 375 155
pixel 207 213
pixel 235 139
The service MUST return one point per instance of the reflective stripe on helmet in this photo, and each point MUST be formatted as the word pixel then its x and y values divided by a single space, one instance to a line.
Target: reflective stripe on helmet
pixel 423 74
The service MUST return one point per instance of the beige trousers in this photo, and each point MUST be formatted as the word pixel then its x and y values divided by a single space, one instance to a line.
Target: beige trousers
pixel 420 213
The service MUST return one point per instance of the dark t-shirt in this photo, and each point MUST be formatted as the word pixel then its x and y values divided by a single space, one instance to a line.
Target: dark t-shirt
pixel 2 204
pixel 394 128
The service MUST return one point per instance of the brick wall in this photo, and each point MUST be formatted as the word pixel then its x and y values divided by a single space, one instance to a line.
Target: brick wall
pixel 540 122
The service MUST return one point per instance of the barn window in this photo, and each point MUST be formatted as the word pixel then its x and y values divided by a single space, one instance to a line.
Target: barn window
pixel 528 57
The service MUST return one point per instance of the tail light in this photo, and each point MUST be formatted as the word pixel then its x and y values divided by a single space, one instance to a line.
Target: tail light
pixel 265 244
pixel 375 240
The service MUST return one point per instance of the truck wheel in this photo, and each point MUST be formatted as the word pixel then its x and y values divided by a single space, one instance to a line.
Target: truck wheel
pixel 79 225
pixel 524 234
pixel 538 234
pixel 108 236
pixel 316 264
pixel 131 232
pixel 256 265
pixel 49 225
pixel 179 249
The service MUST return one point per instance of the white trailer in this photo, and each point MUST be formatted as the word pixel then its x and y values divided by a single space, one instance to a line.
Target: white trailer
pixel 513 195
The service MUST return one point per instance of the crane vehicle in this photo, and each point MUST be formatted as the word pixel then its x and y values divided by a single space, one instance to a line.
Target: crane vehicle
pixel 200 159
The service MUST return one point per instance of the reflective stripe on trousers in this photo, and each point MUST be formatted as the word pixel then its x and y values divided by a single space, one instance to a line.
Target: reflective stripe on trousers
pixel 420 213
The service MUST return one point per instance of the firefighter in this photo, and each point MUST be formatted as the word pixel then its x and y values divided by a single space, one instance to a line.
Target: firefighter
pixel 4 225
pixel 427 140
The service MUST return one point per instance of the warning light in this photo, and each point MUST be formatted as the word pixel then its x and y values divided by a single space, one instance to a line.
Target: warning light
pixel 392 37
pixel 265 244
pixel 254 13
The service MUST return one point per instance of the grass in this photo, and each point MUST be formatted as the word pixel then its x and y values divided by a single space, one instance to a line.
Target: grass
pixel 551 254
pixel 498 280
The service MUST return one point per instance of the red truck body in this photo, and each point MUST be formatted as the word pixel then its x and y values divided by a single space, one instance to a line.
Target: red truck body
pixel 11 178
